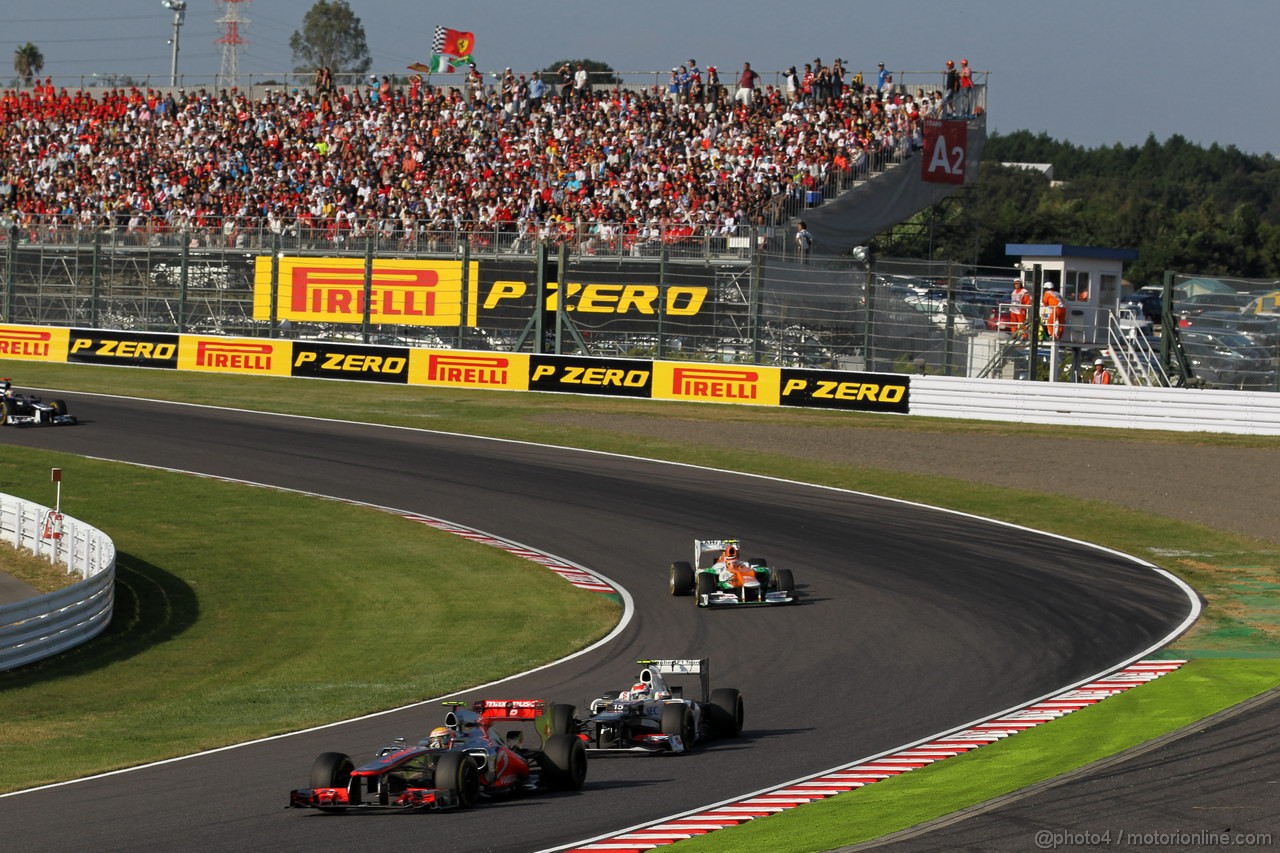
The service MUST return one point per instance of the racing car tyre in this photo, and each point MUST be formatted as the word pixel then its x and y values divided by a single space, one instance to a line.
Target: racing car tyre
pixel 706 586
pixel 677 719
pixel 726 712
pixel 681 578
pixel 9 410
pixel 457 772
pixel 564 763
pixel 59 407
pixel 783 582
pixel 333 770
pixel 562 720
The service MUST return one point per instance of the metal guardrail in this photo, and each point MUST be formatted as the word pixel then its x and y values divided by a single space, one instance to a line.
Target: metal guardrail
pixel 1124 406
pixel 43 626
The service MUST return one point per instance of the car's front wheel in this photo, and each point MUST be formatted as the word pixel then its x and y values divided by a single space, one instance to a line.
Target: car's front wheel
pixel 333 770
pixel 682 581
pixel 457 772
pixel 706 586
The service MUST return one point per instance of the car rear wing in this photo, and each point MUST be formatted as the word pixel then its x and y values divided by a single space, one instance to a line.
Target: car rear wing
pixel 505 710
pixel 702 546
pixel 700 667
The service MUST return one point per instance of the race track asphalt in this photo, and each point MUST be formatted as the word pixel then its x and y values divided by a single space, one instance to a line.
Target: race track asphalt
pixel 913 621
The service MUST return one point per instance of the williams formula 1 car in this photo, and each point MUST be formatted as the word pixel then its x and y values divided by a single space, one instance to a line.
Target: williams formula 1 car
pixel 654 716
pixel 718 575
pixel 23 409
pixel 457 765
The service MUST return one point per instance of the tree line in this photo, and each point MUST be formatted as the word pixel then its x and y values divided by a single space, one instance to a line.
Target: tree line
pixel 1184 207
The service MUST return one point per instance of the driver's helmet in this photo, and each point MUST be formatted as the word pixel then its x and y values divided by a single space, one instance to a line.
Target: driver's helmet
pixel 441 737
pixel 639 690
pixel 730 553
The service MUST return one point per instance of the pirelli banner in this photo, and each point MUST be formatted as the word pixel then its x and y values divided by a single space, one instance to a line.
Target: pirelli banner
pixel 698 382
pixel 496 294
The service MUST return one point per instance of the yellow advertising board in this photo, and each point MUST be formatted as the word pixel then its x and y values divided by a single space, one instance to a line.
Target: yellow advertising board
pixel 34 343
pixel 247 356
pixel 507 371
pixel 332 290
pixel 745 384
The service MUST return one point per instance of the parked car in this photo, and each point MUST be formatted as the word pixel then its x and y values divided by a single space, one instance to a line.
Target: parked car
pixel 1146 302
pixel 999 288
pixel 1201 302
pixel 1260 330
pixel 964 316
pixel 1227 360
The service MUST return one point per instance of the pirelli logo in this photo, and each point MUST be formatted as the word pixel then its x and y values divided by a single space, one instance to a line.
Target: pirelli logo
pixel 829 389
pixel 455 369
pixel 333 290
pixel 25 343
pixel 716 384
pixel 712 383
pixel 461 369
pixel 340 291
pixel 234 355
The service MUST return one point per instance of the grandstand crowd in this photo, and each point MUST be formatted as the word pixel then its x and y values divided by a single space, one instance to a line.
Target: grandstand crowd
pixel 512 154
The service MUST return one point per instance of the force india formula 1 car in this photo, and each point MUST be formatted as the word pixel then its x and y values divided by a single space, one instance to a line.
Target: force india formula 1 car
pixel 456 766
pixel 24 409
pixel 718 575
pixel 654 716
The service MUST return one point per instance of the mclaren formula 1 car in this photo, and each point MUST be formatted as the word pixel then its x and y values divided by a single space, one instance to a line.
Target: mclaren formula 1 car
pixel 456 766
pixel 719 575
pixel 25 410
pixel 655 716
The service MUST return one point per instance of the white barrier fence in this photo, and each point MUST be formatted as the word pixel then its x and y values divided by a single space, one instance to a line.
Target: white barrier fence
pixel 1125 406
pixel 39 627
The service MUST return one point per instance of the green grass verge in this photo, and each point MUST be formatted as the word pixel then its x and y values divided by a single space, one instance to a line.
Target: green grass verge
pixel 1192 693
pixel 1236 575
pixel 242 612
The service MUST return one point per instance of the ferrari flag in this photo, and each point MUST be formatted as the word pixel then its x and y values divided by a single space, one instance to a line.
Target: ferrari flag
pixel 452 42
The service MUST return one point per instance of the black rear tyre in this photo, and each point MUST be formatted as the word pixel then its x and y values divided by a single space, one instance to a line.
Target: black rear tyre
pixel 457 772
pixel 8 409
pixel 682 581
pixel 726 711
pixel 706 586
pixel 564 763
pixel 562 720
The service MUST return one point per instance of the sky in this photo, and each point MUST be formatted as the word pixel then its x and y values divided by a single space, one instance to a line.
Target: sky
pixel 1090 72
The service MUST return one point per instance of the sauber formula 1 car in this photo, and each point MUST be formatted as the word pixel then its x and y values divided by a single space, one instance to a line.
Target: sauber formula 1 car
pixel 718 575
pixel 654 716
pixel 455 766
pixel 23 409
